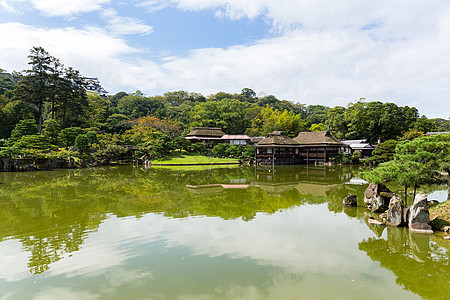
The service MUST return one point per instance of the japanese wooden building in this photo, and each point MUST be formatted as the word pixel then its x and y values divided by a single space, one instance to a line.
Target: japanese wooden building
pixel 208 135
pixel 278 149
pixel 318 146
pixel 306 148
pixel 363 146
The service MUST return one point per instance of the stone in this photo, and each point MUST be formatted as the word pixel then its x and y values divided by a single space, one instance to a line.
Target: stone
pixel 395 212
pixel 418 211
pixel 406 216
pixel 432 203
pixel 445 228
pixel 29 168
pixel 377 196
pixel 350 201
pixel 421 228
pixel 379 204
pixel 374 222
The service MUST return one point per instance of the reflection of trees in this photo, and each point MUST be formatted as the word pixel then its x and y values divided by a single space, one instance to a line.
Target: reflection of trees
pixel 51 213
pixel 420 264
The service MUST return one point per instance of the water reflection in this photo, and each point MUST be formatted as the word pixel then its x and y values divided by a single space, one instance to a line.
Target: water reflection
pixel 51 213
pixel 251 233
pixel 419 261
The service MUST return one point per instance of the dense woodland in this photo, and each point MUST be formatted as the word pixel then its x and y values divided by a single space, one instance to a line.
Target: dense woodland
pixel 48 109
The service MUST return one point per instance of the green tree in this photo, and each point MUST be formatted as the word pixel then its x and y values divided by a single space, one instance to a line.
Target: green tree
pixel 422 124
pixel 82 143
pixel 34 87
pixel 34 141
pixel 415 162
pixel 136 105
pixel 71 109
pixel 51 131
pixel 69 135
pixel 248 94
pixel 317 127
pixel 316 114
pixel 220 149
pixel 269 120
pixel 336 122
pixel 24 127
pixel 384 152
pixel 6 84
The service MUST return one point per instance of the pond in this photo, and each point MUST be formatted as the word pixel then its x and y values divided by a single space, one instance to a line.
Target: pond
pixel 227 233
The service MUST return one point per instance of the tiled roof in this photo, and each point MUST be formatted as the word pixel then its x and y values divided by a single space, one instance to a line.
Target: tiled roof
pixel 316 138
pixel 206 132
pixel 277 138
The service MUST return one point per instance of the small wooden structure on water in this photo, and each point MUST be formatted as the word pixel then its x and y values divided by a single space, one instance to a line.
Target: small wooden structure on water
pixel 278 149
pixel 318 146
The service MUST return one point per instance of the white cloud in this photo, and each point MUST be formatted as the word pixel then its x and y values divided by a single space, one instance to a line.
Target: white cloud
pixel 67 8
pixel 124 25
pixel 153 5
pixel 90 50
pixel 10 6
pixel 390 51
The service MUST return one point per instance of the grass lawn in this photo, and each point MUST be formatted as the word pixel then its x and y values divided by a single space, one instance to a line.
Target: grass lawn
pixel 440 214
pixel 192 158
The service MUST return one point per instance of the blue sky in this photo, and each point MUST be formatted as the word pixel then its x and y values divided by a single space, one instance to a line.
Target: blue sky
pixel 308 51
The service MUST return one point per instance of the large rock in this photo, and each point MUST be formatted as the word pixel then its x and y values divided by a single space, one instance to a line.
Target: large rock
pixel 350 201
pixel 377 197
pixel 421 228
pixel 418 211
pixel 395 212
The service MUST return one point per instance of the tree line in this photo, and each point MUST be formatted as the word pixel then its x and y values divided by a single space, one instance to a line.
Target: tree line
pixel 54 97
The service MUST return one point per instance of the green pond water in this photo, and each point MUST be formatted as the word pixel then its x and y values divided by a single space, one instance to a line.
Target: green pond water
pixel 228 233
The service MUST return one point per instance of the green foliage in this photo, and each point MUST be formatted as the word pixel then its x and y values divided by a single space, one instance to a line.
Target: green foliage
pixel 422 124
pixel 269 120
pixel 415 162
pixel 51 131
pixel 317 127
pixel 110 153
pixel 115 98
pixel 35 141
pixel 68 136
pixel 371 120
pixel 316 114
pixel 24 127
pixel 236 151
pixel 5 85
pixel 248 93
pixel 228 114
pixel 199 148
pixel 116 123
pixel 441 125
pixel 383 152
pixel 220 149
pixel 82 143
pixel 137 105
pixel 336 122
pixel 411 135
pixel 97 110
pixel 356 156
